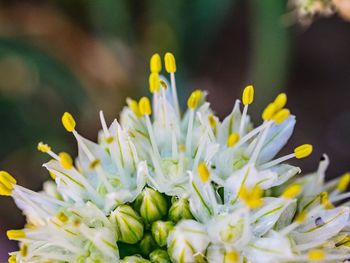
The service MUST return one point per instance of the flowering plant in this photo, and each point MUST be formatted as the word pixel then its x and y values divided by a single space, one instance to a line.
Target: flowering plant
pixel 162 186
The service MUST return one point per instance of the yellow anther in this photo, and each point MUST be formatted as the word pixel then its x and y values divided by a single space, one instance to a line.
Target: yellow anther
pixel 15 234
pixel 154 84
pixel 194 99
pixel 155 63
pixel 68 122
pixel 252 197
pixel 170 63
pixel 280 101
pixel 43 147
pixel 268 112
pixel 182 148
pixel 163 84
pixel 248 95
pixel 94 164
pixel 343 182
pixel 232 139
pixel 62 217
pixel 109 139
pixel 12 259
pixel 6 183
pixel 281 116
pixel 316 255
pixel 344 242
pixel 324 200
pixel 300 218
pixel 134 106
pixel 145 106
pixel 203 172
pixel 212 120
pixel 24 250
pixel 231 257
pixel 292 191
pixel 303 151
pixel 65 160
pixel 53 175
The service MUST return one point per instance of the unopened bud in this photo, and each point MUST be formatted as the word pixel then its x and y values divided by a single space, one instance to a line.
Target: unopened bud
pixel 134 259
pixel 129 225
pixel 160 231
pixel 152 205
pixel 159 256
pixel 180 209
pixel 147 244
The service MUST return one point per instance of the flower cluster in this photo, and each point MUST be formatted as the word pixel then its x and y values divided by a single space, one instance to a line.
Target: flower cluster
pixel 165 186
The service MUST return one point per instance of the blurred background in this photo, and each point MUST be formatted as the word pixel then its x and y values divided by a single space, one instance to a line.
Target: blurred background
pixel 82 56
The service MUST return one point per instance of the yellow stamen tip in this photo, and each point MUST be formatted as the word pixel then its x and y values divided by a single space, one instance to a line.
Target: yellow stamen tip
pixel 155 63
pixel 62 217
pixel 203 172
pixel 154 84
pixel 170 63
pixel 248 95
pixel 252 197
pixel 163 84
pixel 68 122
pixel 316 255
pixel 66 160
pixel 281 116
pixel 292 191
pixel 231 257
pixel 15 234
pixel 212 121
pixel 303 151
pixel 300 218
pixel 232 139
pixel 280 101
pixel 268 112
pixel 194 99
pixel 343 182
pixel 43 147
pixel 145 106
pixel 324 200
pixel 6 183
pixel 134 107
pixel 12 259
pixel 53 175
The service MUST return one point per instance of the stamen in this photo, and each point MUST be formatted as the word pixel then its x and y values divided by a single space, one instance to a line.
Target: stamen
pixel 145 106
pixel 324 200
pixel 68 122
pixel 7 183
pixel 66 160
pixel 231 257
pixel 62 217
pixel 232 139
pixel 16 234
pixel 154 84
pixel 247 99
pixel 291 191
pixel 303 151
pixel 12 259
pixel 280 101
pixel 281 116
pixel 134 106
pixel 45 148
pixel 203 172
pixel 268 112
pixel 155 63
pixel 343 182
pixel 170 67
pixel 252 197
pixel 192 104
pixel 316 255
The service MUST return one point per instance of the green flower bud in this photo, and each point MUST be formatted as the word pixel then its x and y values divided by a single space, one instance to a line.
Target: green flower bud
pixel 159 256
pixel 147 244
pixel 152 205
pixel 134 259
pixel 180 209
pixel 129 225
pixel 160 231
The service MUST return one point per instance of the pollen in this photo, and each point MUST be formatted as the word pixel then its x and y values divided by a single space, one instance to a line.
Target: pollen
pixel 252 197
pixel 194 99
pixel 231 257
pixel 303 151
pixel 268 112
pixel 248 95
pixel 232 139
pixel 154 84
pixel 155 63
pixel 6 183
pixel 43 147
pixel 316 255
pixel 134 106
pixel 280 101
pixel 170 63
pixel 281 116
pixel 343 182
pixel 292 191
pixel 15 234
pixel 145 106
pixel 68 122
pixel 203 172
pixel 66 160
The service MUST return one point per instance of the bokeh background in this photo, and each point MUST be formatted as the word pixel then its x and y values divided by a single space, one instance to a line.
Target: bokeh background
pixel 85 55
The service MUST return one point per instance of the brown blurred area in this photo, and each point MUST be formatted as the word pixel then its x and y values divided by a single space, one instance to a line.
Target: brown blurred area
pixel 84 56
